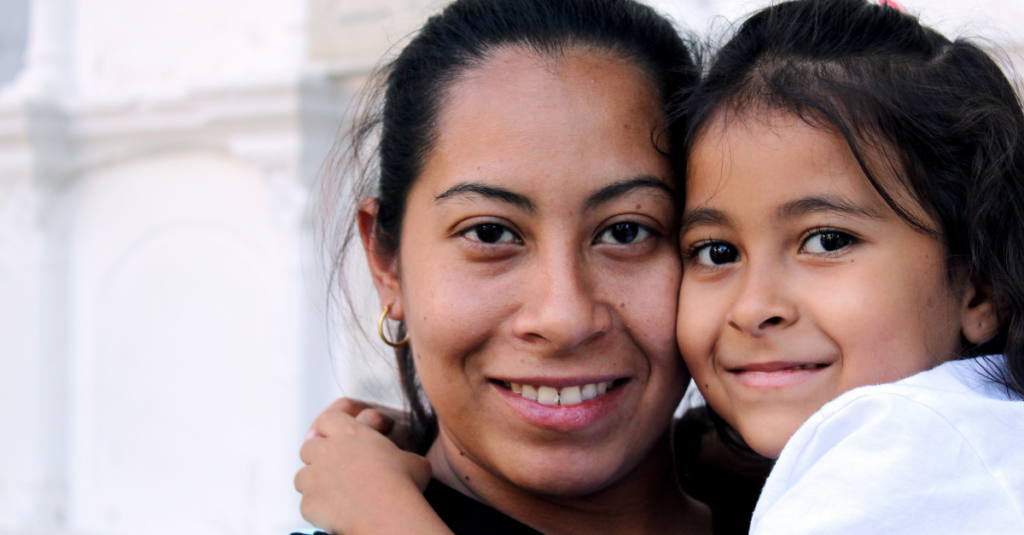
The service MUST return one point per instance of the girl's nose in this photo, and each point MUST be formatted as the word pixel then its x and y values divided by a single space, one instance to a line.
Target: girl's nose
pixel 762 304
pixel 561 308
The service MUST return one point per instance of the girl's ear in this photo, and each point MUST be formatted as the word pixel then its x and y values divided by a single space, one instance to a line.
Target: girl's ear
pixel 383 265
pixel 979 313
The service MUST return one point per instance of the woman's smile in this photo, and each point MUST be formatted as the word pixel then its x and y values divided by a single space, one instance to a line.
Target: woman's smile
pixel 565 408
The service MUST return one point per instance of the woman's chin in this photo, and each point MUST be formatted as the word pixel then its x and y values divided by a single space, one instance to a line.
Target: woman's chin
pixel 559 477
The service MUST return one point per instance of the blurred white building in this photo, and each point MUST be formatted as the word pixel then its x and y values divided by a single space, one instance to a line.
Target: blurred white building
pixel 163 340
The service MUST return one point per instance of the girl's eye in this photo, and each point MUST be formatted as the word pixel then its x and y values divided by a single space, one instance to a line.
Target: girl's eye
pixel 625 233
pixel 490 233
pixel 827 241
pixel 716 254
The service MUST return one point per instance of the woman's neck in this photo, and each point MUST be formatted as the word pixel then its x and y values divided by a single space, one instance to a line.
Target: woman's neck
pixel 647 500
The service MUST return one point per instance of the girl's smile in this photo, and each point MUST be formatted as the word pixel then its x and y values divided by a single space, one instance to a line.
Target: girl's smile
pixel 800 282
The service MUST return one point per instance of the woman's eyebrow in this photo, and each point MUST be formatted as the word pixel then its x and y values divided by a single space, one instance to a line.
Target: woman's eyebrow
pixel 491 192
pixel 809 205
pixel 623 187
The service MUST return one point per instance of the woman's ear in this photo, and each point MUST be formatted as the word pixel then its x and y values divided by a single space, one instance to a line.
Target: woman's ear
pixel 979 313
pixel 383 265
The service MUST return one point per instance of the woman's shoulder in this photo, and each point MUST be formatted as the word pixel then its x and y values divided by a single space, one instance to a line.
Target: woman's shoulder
pixel 936 453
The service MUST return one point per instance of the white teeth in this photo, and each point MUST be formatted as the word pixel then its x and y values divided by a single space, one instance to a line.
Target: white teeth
pixel 568 395
pixel 547 395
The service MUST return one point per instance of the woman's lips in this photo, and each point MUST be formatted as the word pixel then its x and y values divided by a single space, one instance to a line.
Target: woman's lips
pixel 776 374
pixel 562 408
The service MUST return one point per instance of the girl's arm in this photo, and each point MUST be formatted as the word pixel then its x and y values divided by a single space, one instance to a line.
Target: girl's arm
pixel 357 482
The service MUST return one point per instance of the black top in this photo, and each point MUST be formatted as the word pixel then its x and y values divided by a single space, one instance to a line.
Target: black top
pixel 717 468
pixel 466 516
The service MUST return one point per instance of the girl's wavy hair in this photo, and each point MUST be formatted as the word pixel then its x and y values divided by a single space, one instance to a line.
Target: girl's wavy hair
pixel 395 124
pixel 937 114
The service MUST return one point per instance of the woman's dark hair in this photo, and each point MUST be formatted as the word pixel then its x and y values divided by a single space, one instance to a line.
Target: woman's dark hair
pixel 391 138
pixel 938 114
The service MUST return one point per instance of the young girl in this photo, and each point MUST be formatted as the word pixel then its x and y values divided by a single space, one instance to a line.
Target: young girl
pixel 855 216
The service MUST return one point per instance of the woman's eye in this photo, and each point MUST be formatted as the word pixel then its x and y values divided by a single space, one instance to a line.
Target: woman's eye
pixel 716 254
pixel 624 234
pixel 827 241
pixel 490 233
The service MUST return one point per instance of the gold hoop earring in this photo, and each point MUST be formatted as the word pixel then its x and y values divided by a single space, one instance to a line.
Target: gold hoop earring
pixel 380 329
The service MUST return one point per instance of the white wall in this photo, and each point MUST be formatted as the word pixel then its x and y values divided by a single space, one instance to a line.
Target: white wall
pixel 13 33
pixel 163 336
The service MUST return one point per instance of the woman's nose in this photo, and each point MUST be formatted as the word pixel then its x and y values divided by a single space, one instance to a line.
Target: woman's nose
pixel 561 308
pixel 763 304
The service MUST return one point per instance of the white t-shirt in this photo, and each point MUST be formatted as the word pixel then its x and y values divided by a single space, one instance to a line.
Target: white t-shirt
pixel 940 452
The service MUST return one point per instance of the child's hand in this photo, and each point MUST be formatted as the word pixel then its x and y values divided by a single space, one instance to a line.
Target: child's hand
pixel 354 473
pixel 389 422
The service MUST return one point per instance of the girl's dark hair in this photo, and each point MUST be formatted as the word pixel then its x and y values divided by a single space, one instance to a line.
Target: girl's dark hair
pixel 938 114
pixel 391 138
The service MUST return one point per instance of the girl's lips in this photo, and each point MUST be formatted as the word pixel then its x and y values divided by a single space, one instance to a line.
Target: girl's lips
pixel 563 417
pixel 776 374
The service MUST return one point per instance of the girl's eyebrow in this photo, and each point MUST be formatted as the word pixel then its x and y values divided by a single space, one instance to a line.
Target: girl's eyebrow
pixel 829 203
pixel 791 210
pixel 700 217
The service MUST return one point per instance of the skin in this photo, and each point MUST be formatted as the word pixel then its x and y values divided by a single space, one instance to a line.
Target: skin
pixel 792 258
pixel 548 292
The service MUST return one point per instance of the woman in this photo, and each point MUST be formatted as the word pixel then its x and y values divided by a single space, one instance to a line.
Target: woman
pixel 523 231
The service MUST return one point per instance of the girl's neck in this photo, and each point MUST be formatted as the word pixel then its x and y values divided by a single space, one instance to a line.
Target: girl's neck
pixel 647 500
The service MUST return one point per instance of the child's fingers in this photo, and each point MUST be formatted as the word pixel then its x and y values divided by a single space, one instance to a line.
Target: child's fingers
pixel 308 450
pixel 395 415
pixel 300 479
pixel 349 406
pixel 419 468
pixel 375 420
pixel 376 417
pixel 330 423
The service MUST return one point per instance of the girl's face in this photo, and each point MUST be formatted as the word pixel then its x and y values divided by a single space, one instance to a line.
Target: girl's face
pixel 800 283
pixel 539 265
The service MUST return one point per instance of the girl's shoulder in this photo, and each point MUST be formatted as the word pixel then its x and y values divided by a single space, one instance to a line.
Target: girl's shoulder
pixel 939 452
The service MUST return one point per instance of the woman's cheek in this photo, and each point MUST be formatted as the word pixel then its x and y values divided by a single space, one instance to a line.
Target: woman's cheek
pixel 452 311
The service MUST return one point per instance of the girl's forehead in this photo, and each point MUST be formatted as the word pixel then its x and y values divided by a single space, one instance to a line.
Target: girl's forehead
pixel 780 153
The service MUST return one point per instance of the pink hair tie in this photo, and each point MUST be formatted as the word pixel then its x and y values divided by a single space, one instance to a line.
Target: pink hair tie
pixel 893 4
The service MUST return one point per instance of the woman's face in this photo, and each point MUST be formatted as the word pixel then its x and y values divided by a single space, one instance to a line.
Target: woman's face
pixel 538 272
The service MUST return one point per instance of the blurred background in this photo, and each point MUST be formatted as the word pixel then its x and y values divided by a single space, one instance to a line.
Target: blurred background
pixel 165 334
